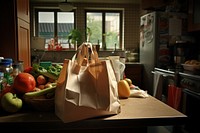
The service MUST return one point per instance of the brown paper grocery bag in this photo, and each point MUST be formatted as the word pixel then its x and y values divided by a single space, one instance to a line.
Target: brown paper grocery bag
pixel 86 91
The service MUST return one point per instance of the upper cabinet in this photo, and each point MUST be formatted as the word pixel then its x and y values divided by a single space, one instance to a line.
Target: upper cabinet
pixel 15 29
pixel 23 10
pixel 23 30
pixel 152 4
pixel 193 15
pixel 165 5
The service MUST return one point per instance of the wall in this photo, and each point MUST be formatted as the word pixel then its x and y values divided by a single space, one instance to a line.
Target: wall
pixel 131 20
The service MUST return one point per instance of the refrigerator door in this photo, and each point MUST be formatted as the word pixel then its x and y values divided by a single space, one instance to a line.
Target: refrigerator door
pixel 148 48
pixel 158 32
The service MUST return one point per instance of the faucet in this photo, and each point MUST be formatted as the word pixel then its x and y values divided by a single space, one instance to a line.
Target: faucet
pixel 114 51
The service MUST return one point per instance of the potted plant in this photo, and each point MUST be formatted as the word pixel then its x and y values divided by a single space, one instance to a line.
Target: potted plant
pixel 75 36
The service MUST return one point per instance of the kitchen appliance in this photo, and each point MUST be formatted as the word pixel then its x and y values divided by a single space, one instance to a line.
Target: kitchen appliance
pixel 158 32
pixel 191 100
pixel 184 51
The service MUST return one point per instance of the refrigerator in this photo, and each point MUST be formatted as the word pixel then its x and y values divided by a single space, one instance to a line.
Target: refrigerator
pixel 158 33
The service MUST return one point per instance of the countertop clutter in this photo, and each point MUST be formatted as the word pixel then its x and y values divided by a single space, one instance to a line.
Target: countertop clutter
pixel 136 115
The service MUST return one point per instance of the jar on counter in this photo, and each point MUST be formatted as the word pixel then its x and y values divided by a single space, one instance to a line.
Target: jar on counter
pixel 8 62
pixel 15 71
pixel 20 65
pixel 7 69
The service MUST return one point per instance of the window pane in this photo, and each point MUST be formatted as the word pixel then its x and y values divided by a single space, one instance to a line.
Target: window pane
pixel 112 31
pixel 94 23
pixel 46 26
pixel 65 25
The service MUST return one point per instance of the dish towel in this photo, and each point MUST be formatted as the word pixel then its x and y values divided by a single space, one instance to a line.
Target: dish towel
pixel 158 85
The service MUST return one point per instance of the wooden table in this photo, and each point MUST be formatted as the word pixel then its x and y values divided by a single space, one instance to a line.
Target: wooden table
pixel 136 115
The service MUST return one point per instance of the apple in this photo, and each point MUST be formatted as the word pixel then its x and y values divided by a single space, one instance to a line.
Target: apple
pixel 11 103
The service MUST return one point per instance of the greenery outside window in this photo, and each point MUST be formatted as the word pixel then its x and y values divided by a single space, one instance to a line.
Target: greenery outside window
pixel 105 27
pixel 54 24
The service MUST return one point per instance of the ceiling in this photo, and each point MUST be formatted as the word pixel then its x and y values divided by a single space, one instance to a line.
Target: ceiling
pixel 89 1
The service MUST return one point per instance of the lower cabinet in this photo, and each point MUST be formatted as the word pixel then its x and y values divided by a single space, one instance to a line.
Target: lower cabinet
pixel 134 71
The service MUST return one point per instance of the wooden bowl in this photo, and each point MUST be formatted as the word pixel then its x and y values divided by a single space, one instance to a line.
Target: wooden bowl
pixel 40 104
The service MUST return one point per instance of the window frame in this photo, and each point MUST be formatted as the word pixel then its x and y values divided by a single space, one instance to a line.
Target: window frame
pixel 55 19
pixel 104 24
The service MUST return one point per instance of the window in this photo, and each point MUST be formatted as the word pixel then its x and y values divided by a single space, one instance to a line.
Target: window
pixel 54 25
pixel 105 27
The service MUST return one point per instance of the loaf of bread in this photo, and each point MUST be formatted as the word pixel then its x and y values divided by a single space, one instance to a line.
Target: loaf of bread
pixel 192 62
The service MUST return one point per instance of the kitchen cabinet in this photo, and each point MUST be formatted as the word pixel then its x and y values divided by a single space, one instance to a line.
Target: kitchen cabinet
pixel 23 10
pixel 15 26
pixel 193 15
pixel 24 42
pixel 152 4
pixel 134 71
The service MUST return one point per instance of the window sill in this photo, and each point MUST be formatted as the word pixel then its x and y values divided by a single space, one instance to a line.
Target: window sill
pixel 72 50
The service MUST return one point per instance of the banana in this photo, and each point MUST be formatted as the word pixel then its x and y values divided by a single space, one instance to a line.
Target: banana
pixel 41 92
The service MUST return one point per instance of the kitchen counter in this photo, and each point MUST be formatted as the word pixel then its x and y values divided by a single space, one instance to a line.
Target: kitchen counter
pixel 133 63
pixel 136 115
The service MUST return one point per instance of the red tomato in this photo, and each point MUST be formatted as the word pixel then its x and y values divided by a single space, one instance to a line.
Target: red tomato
pixel 24 82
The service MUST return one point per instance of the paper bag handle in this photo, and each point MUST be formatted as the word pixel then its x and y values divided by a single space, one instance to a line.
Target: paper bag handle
pixel 63 73
pixel 83 54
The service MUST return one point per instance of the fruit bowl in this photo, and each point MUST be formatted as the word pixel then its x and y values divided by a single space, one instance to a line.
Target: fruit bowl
pixel 40 104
